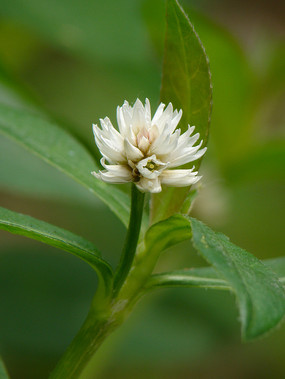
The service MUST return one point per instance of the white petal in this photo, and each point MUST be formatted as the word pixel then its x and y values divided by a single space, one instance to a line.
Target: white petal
pixel 127 113
pixel 121 121
pixel 149 185
pixel 114 173
pixel 132 152
pixel 147 111
pixel 139 119
pixel 188 155
pixel 153 133
pixel 143 144
pixel 110 149
pixel 158 113
pixel 179 178
pixel 165 117
pixel 120 171
pixel 160 142
pixel 184 145
pixel 165 145
pixel 175 120
pixel 108 177
pixel 110 131
pixel 186 140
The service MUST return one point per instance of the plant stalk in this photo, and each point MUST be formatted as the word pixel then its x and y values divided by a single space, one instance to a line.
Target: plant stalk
pixel 106 314
pixel 132 238
pixel 89 338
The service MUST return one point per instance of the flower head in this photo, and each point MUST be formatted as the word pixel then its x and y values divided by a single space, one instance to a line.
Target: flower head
pixel 145 150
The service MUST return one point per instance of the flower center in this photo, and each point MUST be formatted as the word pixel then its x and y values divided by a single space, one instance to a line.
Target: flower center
pixel 151 166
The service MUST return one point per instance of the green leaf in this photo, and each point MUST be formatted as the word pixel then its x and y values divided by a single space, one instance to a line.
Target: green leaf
pixel 158 237
pixel 206 277
pixel 278 266
pixel 166 233
pixel 186 82
pixel 3 371
pixel 161 236
pixel 260 296
pixel 27 226
pixel 57 147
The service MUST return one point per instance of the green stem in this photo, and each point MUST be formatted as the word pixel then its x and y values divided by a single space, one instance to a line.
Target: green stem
pixel 80 351
pixel 131 241
pixel 89 338
pixel 106 314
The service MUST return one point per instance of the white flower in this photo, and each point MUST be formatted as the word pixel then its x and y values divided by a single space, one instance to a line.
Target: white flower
pixel 145 149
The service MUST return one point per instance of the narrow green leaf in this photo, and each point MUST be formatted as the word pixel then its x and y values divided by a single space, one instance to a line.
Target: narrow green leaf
pixel 57 147
pixel 206 277
pixel 186 82
pixel 30 227
pixel 3 371
pixel 260 296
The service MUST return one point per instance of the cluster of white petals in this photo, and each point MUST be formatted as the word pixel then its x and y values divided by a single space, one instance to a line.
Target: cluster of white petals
pixel 145 150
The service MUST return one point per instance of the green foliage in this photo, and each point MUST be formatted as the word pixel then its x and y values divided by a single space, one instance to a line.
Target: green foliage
pixel 52 235
pixel 207 277
pixel 204 277
pixel 186 82
pixel 3 372
pixel 186 78
pixel 261 297
pixel 57 147
pixel 165 234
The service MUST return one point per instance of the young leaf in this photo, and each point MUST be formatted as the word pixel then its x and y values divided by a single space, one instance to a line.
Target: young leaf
pixel 165 234
pixel 57 147
pixel 186 82
pixel 157 238
pixel 260 296
pixel 206 277
pixel 30 227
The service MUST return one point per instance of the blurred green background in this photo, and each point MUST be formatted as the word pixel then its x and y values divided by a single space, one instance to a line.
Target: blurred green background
pixel 77 60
